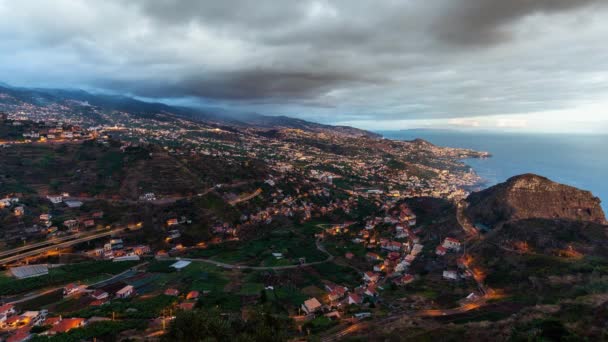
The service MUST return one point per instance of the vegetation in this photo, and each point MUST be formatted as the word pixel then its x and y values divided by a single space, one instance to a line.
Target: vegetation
pixel 200 325
pixel 104 331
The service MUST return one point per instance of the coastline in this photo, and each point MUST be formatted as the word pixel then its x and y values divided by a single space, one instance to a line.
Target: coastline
pixel 564 159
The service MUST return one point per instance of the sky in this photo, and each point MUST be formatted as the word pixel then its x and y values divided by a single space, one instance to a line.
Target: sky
pixel 523 65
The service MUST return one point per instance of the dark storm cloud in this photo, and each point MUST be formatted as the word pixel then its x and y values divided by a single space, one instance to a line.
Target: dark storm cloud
pixel 481 22
pixel 247 85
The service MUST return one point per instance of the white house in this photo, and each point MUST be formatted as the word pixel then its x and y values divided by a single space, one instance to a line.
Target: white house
pixel 451 275
pixel 125 292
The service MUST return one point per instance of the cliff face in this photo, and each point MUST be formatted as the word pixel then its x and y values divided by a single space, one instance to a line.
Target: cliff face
pixel 531 196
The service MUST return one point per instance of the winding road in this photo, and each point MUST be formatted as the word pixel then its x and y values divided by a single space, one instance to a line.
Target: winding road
pixel 318 244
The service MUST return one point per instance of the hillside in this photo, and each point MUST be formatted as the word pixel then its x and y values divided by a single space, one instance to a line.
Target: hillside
pixel 532 196
pixel 78 100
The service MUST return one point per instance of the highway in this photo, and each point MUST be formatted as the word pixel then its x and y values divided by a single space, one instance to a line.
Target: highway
pixel 54 245
pixel 39 244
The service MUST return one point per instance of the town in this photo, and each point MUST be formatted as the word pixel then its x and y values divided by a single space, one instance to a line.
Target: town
pixel 99 240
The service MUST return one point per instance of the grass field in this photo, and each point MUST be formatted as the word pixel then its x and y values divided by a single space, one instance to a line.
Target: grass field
pixel 292 242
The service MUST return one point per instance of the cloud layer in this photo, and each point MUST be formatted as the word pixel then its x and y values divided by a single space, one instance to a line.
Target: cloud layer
pixel 328 61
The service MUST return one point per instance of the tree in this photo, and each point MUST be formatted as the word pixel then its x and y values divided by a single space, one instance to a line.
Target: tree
pixel 201 325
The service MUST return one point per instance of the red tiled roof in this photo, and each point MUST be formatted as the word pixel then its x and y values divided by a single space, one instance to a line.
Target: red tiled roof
pixel 52 320
pixel 66 325
pixel 192 295
pixel 6 307
pixel 172 292
pixel 20 334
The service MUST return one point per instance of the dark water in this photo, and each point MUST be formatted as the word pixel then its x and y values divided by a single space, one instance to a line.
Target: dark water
pixel 577 160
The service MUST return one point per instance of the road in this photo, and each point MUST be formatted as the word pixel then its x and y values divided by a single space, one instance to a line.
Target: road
pixel 319 246
pixel 68 243
pixel 464 221
pixel 38 244
pixel 47 291
pixel 245 198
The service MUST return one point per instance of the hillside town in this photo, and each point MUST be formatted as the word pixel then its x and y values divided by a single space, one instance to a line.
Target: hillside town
pixel 352 203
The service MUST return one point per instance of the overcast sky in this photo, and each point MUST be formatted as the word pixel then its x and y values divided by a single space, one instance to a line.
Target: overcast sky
pixel 537 65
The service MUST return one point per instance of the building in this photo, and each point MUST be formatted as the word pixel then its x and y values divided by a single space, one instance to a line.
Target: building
pixel 7 310
pixel 125 292
pixel 70 289
pixel 354 298
pixel 99 294
pixel 66 325
pixel 451 275
pixel 193 295
pixel 19 211
pixel 172 292
pixel 311 305
pixel 451 243
pixel 371 277
pixel 405 279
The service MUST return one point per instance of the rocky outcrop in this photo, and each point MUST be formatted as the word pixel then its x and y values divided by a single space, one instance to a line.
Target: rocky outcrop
pixel 531 196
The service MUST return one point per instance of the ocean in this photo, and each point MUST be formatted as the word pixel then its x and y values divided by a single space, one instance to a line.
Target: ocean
pixel 576 160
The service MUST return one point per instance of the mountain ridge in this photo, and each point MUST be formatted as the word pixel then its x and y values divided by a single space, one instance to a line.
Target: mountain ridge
pixel 45 96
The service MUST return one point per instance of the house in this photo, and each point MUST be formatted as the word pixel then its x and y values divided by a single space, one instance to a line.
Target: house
pixel 7 310
pixel 99 302
pixel 172 222
pixel 393 256
pixel 99 294
pixel 52 320
pixel 451 243
pixel 392 246
pixel 192 295
pixel 311 305
pixel 141 250
pixel 73 204
pixel 337 293
pixel 45 217
pixel 70 289
pixel 417 248
pixel 19 211
pixel 440 250
pixel 349 255
pixel 409 259
pixel 34 317
pixel 89 223
pixel 55 199
pixel 451 275
pixel 13 321
pixel 405 279
pixel 371 277
pixel 373 256
pixel 354 298
pixel 371 291
pixel 66 325
pixel 70 224
pixel 172 292
pixel 97 214
pixel 125 292
pixel 20 335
